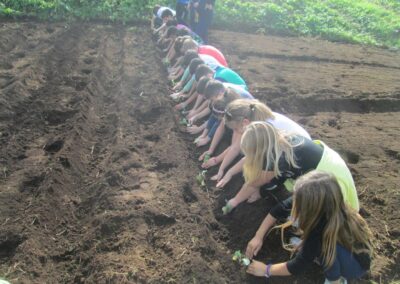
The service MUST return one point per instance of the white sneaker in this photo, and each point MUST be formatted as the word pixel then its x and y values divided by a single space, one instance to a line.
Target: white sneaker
pixel 340 281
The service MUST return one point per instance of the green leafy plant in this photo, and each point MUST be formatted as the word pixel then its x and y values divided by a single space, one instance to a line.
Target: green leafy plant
pixel 201 178
pixel 206 157
pixel 240 258
pixel 184 121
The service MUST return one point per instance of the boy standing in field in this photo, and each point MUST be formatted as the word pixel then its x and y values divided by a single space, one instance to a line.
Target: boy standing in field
pixel 182 11
pixel 206 14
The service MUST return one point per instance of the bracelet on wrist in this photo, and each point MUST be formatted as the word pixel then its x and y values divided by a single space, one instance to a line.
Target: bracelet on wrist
pixel 268 271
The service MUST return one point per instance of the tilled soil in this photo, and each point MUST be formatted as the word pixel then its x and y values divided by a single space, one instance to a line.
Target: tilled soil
pixel 97 178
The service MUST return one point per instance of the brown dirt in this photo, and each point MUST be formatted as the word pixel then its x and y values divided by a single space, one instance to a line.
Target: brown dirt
pixel 97 181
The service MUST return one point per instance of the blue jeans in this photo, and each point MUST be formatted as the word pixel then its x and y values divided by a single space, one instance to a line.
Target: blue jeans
pixel 345 265
pixel 212 125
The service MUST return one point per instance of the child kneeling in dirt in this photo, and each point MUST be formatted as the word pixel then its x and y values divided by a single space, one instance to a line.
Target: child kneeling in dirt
pixel 332 233
pixel 274 159
pixel 216 106
pixel 238 115
pixel 220 73
pixel 161 15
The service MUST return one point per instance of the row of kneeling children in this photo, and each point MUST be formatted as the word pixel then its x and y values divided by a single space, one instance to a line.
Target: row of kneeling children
pixel 274 152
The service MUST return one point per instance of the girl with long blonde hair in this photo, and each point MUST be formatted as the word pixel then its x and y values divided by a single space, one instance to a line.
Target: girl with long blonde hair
pixel 273 160
pixel 332 233
pixel 238 115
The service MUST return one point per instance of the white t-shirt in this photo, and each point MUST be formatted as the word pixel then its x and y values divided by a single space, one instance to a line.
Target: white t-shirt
pixel 162 9
pixel 285 124
pixel 210 61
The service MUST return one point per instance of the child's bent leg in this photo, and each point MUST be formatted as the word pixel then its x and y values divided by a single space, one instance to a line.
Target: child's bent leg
pixel 345 265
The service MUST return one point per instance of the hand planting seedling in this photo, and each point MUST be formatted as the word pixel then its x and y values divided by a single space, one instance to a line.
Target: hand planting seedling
pixel 201 178
pixel 206 157
pixel 165 61
pixel 183 121
pixel 240 258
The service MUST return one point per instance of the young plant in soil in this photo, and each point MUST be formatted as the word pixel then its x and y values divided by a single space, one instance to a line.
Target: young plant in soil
pixel 201 178
pixel 240 258
pixel 185 122
pixel 206 157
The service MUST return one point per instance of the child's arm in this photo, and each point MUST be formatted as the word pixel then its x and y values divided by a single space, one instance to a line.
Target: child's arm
pixel 234 150
pixel 258 268
pixel 187 102
pixel 199 99
pixel 254 246
pixel 202 111
pixel 215 141
pixel 237 168
pixel 196 129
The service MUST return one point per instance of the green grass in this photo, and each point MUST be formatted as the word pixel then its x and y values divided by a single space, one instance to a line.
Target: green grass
pixel 371 22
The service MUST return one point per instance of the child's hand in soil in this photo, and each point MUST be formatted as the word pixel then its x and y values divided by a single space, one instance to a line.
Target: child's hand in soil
pixel 175 95
pixel 193 129
pixel 202 156
pixel 218 176
pixel 210 163
pixel 180 106
pixel 203 141
pixel 256 268
pixel 177 87
pixel 227 177
pixel 253 247
pixel 192 119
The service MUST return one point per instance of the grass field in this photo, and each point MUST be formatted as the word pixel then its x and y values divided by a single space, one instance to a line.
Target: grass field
pixel 371 22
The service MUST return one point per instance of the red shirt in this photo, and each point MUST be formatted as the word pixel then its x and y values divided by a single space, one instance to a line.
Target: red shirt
pixel 212 51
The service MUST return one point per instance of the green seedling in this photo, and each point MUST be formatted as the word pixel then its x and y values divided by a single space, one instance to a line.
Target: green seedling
pixel 240 258
pixel 206 157
pixel 173 82
pixel 185 122
pixel 201 178
pixel 165 61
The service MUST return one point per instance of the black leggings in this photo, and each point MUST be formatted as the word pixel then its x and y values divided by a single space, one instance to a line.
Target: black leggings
pixel 182 13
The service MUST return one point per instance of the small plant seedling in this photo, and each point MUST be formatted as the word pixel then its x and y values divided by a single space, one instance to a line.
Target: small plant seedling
pixel 240 258
pixel 201 178
pixel 165 61
pixel 185 122
pixel 206 157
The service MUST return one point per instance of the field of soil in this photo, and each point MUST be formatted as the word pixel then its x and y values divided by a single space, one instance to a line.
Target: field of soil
pixel 97 179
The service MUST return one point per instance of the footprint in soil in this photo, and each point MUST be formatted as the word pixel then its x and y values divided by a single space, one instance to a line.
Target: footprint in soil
pixel 19 54
pixel 351 157
pixel 6 80
pixel 6 65
pixel 161 166
pixel 86 71
pixel 114 178
pixel 9 242
pixel 393 154
pixel 53 147
pixel 188 195
pixel 148 116
pixel 56 117
pixel 157 219
pixel 88 60
pixel 152 137
pixel 31 183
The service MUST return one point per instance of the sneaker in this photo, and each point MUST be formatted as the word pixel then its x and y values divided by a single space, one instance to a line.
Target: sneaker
pixel 341 281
